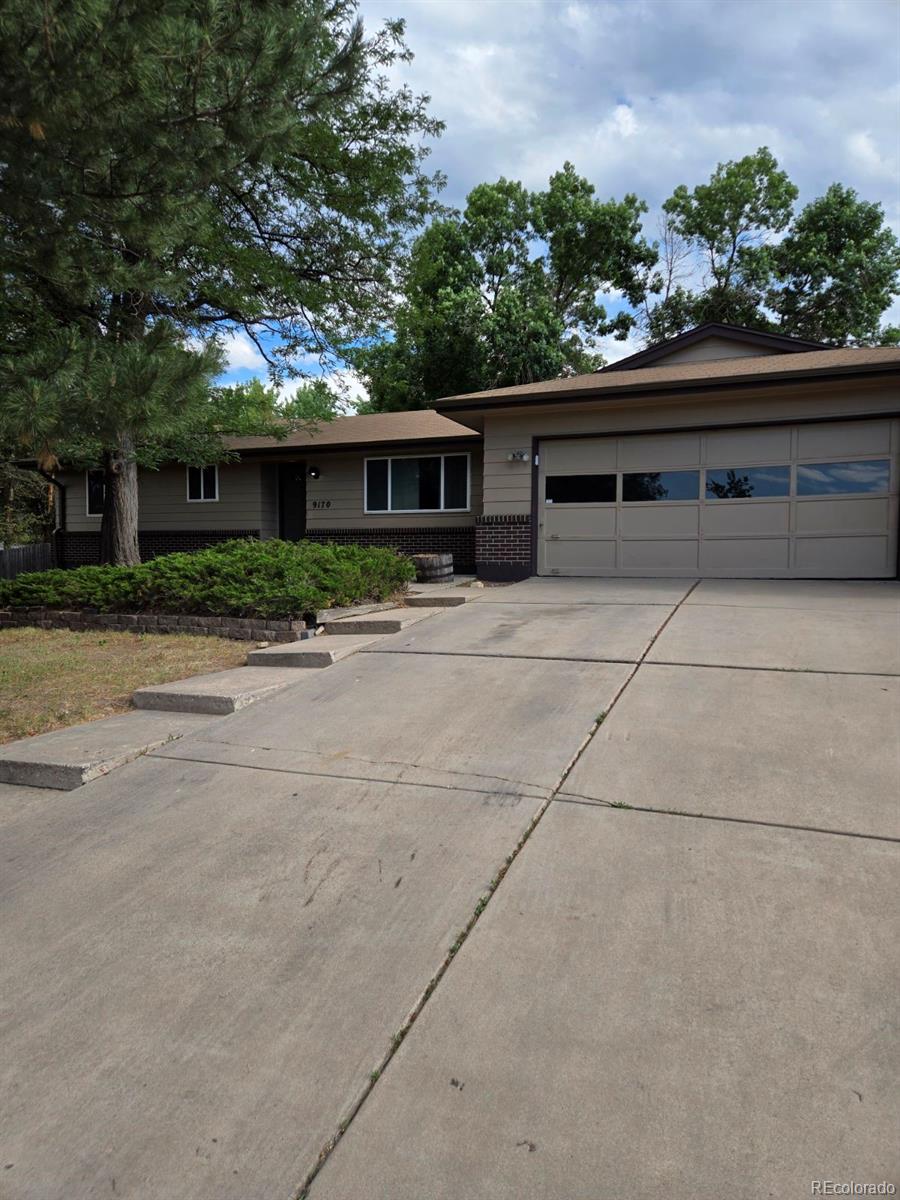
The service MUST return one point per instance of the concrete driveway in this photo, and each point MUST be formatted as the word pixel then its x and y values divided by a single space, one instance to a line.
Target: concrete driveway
pixel 585 891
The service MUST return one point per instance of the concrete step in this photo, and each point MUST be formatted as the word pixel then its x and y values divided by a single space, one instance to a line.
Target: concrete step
pixel 393 621
pixel 67 758
pixel 319 652
pixel 353 610
pixel 220 693
pixel 430 600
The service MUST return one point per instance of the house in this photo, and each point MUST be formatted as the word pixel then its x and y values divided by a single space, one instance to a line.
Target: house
pixel 723 452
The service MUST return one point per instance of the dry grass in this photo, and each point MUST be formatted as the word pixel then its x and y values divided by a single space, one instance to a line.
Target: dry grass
pixel 50 678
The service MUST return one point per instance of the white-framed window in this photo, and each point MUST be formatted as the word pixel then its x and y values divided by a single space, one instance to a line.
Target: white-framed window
pixel 417 484
pixel 202 484
pixel 95 492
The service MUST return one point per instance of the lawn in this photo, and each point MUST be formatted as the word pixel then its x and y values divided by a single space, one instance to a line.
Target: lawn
pixel 53 677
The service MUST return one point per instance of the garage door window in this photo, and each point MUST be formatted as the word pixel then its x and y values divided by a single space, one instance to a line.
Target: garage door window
pixel 661 485
pixel 581 489
pixel 747 483
pixel 843 478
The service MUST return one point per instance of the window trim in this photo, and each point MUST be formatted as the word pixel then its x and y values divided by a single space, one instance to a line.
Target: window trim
pixel 389 458
pixel 187 485
pixel 87 492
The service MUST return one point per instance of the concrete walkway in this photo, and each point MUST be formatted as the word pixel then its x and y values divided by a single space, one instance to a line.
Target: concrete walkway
pixel 238 960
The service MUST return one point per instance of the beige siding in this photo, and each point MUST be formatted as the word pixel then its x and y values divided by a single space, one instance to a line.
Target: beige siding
pixel 268 524
pixel 335 499
pixel 163 502
pixel 711 348
pixel 507 485
pixel 77 519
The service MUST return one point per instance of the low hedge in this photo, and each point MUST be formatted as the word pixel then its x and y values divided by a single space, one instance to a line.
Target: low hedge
pixel 242 578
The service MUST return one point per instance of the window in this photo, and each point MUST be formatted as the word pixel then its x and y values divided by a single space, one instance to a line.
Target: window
pixel 436 483
pixel 95 486
pixel 661 485
pixel 202 483
pixel 747 483
pixel 839 478
pixel 580 489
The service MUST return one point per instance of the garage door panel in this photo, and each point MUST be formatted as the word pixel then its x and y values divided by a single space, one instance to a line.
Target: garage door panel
pixel 844 437
pixel 837 556
pixel 746 554
pixel 660 521
pixel 661 555
pixel 845 516
pixel 666 450
pixel 756 514
pixel 579 558
pixel 737 448
pixel 725 520
pixel 572 522
pixel 579 456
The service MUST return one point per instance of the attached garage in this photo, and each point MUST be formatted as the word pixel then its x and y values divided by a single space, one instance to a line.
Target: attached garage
pixel 724 452
pixel 806 500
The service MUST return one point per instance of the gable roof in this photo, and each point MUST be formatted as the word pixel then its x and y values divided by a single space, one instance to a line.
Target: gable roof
pixel 747 370
pixel 775 343
pixel 421 425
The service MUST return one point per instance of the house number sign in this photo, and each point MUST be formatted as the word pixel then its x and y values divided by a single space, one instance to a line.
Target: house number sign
pixel 321 504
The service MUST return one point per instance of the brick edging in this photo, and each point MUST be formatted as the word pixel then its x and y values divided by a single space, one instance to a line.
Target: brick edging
pixel 247 629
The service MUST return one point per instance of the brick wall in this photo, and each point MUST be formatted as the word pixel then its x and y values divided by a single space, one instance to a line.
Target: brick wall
pixel 456 540
pixel 503 546
pixel 83 549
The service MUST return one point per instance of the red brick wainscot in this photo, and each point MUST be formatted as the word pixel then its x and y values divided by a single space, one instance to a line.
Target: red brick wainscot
pixel 503 547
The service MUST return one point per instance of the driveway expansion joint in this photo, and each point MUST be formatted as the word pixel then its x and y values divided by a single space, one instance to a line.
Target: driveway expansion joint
pixel 707 666
pixel 535 790
pixel 303 1191
pixel 591 802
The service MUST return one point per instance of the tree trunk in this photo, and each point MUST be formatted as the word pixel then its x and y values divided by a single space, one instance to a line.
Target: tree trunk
pixel 119 527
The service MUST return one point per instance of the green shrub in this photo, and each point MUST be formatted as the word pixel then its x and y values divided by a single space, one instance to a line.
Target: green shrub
pixel 243 578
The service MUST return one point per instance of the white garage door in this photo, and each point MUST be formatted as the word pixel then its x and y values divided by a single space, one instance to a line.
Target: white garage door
pixel 814 500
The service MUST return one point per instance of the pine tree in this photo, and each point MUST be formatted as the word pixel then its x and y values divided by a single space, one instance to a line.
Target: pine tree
pixel 172 171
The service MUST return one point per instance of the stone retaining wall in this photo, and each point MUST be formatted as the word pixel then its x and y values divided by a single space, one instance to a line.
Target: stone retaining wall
pixel 249 629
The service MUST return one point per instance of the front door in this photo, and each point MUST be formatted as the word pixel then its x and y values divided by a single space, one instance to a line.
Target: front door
pixel 292 501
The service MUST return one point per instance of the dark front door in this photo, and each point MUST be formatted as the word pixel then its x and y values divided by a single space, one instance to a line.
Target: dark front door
pixel 291 501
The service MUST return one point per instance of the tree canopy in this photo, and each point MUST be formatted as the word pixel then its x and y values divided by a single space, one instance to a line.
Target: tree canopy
pixel 734 250
pixel 170 172
pixel 508 291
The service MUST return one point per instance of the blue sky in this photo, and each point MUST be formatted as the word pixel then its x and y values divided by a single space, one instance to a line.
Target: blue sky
pixel 642 95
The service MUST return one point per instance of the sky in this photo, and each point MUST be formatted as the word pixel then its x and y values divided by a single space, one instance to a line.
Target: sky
pixel 641 95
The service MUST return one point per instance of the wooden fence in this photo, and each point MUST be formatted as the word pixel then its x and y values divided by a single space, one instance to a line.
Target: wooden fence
pixel 14 560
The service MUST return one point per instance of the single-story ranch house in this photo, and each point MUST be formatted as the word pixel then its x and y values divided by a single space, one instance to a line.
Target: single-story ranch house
pixel 723 452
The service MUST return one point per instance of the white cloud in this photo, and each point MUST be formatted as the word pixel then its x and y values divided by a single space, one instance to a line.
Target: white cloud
pixel 642 95
pixel 614 350
pixel 242 353
pixel 863 150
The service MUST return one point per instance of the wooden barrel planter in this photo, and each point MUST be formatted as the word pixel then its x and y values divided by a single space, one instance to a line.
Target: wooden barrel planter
pixel 433 568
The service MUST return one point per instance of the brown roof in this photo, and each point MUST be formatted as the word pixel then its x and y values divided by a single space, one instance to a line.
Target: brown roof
pixel 423 425
pixel 681 376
